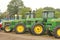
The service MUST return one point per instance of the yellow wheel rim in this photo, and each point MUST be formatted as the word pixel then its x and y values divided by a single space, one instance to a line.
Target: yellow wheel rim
pixel 58 32
pixel 38 29
pixel 7 28
pixel 20 28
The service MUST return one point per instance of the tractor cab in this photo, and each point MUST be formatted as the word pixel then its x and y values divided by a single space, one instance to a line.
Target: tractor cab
pixel 48 14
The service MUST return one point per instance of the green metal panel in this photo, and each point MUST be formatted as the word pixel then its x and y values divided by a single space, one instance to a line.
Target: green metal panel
pixel 53 23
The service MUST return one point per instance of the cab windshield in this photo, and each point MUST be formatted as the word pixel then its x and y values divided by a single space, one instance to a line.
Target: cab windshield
pixel 48 14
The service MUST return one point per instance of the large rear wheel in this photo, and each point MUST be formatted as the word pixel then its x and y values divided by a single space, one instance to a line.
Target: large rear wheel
pixel 37 29
pixel 20 28
pixel 56 32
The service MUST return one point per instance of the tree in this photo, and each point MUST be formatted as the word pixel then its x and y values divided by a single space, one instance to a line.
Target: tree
pixel 13 6
pixel 24 10
pixel 48 8
pixel 57 12
pixel 38 13
pixel 3 15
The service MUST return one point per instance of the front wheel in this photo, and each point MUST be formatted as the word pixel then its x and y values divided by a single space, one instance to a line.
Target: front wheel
pixel 37 29
pixel 7 29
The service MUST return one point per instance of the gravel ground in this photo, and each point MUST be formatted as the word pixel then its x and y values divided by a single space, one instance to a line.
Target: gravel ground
pixel 26 36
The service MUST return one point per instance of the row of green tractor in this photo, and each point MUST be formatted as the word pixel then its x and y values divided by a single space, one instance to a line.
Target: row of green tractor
pixel 48 23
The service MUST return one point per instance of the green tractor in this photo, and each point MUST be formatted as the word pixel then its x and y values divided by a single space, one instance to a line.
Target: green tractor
pixel 37 26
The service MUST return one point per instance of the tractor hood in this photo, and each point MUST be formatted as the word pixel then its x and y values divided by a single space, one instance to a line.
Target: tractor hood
pixel 54 20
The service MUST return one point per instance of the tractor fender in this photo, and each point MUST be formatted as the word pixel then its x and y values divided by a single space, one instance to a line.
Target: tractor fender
pixel 18 24
pixel 37 23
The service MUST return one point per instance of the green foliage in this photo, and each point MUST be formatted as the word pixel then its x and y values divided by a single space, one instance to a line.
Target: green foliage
pixel 3 15
pixel 24 10
pixel 17 7
pixel 14 5
pixel 57 13
pixel 38 13
pixel 48 8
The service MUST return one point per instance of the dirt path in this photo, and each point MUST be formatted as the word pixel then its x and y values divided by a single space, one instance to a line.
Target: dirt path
pixel 26 36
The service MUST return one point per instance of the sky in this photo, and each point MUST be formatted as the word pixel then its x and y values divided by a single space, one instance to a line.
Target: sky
pixel 33 4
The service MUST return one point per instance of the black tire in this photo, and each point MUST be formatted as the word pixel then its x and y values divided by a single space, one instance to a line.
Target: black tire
pixel 34 33
pixel 19 24
pixel 49 33
pixel 1 28
pixel 7 31
pixel 55 32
